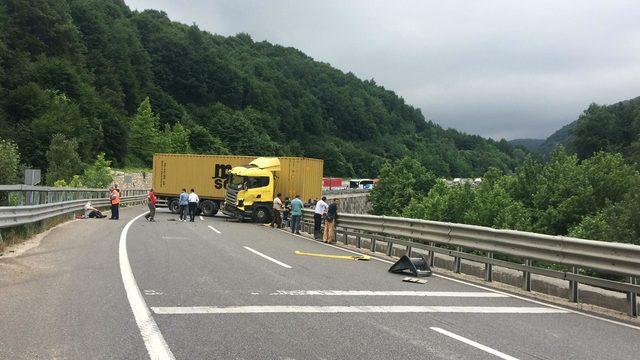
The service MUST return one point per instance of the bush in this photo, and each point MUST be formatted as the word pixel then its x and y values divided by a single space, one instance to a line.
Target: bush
pixel 9 162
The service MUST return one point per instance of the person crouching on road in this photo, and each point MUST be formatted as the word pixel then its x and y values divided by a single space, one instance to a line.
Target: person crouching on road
pixel 278 208
pixel 193 205
pixel 151 201
pixel 183 202
pixel 318 214
pixel 115 203
pixel 296 214
pixel 330 222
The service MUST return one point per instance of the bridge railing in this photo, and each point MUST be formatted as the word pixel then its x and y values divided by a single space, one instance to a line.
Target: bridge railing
pixel 578 257
pixel 22 204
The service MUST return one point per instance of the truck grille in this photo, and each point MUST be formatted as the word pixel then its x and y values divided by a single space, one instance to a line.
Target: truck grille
pixel 232 196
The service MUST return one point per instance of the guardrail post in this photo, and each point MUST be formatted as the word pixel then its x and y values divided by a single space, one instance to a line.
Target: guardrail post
pixel 526 276
pixel 389 247
pixel 408 251
pixel 358 240
pixel 431 253
pixel 632 297
pixel 373 243
pixel 574 294
pixel 488 269
pixel 346 236
pixel 457 261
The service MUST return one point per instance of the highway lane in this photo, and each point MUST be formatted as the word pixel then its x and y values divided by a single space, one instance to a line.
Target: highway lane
pixel 68 296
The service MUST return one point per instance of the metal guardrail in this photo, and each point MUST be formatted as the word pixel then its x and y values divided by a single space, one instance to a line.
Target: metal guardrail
pixel 481 244
pixel 36 203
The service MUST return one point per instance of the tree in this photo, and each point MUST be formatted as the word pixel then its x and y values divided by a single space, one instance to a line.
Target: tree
pixel 400 181
pixel 144 137
pixel 62 159
pixel 97 175
pixel 9 162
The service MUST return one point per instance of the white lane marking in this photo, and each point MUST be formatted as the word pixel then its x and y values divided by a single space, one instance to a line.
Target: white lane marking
pixel 153 340
pixel 474 344
pixel 175 238
pixel 182 310
pixel 201 218
pixel 267 257
pixel 460 294
pixel 214 229
pixel 615 322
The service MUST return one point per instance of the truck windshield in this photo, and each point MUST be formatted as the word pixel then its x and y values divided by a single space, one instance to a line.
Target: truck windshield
pixel 236 182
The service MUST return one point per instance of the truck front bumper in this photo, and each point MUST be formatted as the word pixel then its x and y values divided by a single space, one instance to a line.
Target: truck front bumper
pixel 235 213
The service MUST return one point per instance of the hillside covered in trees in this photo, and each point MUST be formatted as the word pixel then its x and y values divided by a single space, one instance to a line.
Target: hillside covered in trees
pixel 84 77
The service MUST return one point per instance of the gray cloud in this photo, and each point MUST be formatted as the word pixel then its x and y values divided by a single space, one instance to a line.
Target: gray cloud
pixel 495 68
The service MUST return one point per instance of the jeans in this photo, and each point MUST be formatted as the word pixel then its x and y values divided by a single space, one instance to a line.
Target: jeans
pixel 183 212
pixel 317 225
pixel 295 223
pixel 152 212
pixel 192 211
pixel 277 219
pixel 115 211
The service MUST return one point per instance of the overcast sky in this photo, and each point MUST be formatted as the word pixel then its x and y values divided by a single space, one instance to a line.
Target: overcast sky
pixel 509 69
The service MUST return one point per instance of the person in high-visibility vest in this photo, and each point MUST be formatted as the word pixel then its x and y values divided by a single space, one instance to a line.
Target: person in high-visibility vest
pixel 115 204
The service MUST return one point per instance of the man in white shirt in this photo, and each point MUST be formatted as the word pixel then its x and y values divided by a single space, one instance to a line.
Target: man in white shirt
pixel 193 205
pixel 318 214
pixel 278 208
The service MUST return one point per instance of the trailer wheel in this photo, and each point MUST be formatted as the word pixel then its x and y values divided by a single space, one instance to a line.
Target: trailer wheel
pixel 209 208
pixel 174 206
pixel 261 215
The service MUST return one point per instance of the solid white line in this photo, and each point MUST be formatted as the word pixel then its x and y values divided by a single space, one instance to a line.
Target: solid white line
pixel 267 257
pixel 474 344
pixel 214 229
pixel 615 322
pixel 270 309
pixel 153 340
pixel 461 294
pixel 201 218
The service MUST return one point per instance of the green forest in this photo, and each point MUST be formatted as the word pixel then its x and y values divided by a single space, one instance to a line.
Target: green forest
pixel 588 189
pixel 79 78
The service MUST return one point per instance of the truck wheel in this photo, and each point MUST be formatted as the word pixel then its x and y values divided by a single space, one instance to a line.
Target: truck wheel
pixel 262 215
pixel 209 208
pixel 174 206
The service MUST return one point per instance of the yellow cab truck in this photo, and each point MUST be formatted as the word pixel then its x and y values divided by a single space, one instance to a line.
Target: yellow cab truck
pixel 251 188
pixel 207 174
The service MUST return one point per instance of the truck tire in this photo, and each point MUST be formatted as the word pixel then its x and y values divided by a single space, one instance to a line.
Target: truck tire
pixel 261 215
pixel 209 208
pixel 174 206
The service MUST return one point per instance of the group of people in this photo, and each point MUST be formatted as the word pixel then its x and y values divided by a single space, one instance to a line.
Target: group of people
pixel 323 213
pixel 188 202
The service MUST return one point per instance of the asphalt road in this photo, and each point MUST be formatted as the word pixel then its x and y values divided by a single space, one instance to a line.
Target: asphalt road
pixel 217 289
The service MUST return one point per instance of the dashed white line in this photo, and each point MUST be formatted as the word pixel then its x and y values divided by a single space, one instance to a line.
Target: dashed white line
pixel 474 344
pixel 214 229
pixel 270 309
pixel 156 345
pixel 460 294
pixel 267 257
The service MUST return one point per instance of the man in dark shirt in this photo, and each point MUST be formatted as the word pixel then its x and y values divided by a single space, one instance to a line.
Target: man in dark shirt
pixel 330 222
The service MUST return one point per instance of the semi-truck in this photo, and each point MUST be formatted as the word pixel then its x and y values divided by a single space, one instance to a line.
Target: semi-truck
pixel 251 188
pixel 207 174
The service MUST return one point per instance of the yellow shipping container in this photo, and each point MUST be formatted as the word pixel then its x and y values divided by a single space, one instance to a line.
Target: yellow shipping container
pixel 207 174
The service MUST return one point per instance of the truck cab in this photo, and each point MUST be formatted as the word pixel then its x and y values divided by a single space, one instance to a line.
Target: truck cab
pixel 250 190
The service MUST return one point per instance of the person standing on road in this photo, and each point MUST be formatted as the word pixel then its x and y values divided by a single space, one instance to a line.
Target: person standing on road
pixel 318 214
pixel 287 209
pixel 193 205
pixel 296 214
pixel 330 222
pixel 151 202
pixel 183 203
pixel 115 203
pixel 278 208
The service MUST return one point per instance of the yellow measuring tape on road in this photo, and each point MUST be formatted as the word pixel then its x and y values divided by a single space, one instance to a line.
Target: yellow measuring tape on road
pixel 343 257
